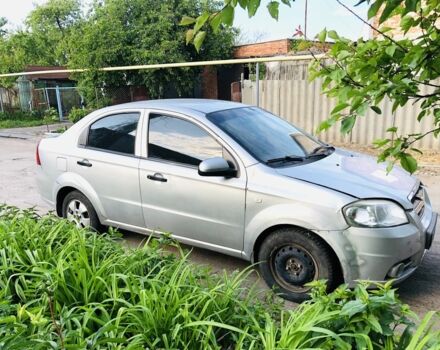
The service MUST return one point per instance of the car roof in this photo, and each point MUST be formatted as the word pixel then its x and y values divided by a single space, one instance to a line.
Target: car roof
pixel 182 105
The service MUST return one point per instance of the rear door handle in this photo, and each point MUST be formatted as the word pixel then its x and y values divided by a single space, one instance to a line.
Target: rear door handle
pixel 84 162
pixel 157 177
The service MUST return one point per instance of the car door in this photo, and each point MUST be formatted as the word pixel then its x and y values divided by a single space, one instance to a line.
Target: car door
pixel 203 211
pixel 107 161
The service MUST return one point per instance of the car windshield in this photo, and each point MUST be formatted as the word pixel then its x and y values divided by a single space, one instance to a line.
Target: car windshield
pixel 267 137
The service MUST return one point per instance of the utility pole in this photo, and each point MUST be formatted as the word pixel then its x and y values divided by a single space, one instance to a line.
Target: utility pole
pixel 305 21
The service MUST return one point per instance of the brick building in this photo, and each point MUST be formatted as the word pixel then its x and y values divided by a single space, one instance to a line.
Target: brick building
pixel 224 82
pixel 395 32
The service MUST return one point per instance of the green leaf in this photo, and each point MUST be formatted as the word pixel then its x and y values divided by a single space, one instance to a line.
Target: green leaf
pixel 339 107
pixel 374 8
pixel 352 308
pixel 198 40
pixel 186 20
pixel 243 4
pixel 201 20
pixel 215 21
pixel 344 54
pixel 390 166
pixel 189 36
pixel 380 142
pixel 374 322
pixel 392 129
pixel 410 5
pixel 408 162
pixel 406 23
pixel 390 50
pixel 347 124
pixel 421 115
pixel 333 35
pixel 273 9
pixel 286 2
pixel 389 8
pixel 253 6
pixel 322 35
pixel 228 15
pixel 337 75
pixel 376 109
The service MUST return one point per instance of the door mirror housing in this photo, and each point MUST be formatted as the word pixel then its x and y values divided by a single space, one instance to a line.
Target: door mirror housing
pixel 216 166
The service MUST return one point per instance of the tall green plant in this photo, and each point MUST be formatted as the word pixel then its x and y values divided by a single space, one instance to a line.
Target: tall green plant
pixel 65 288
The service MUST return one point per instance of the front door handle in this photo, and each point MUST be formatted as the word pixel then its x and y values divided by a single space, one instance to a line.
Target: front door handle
pixel 157 177
pixel 84 162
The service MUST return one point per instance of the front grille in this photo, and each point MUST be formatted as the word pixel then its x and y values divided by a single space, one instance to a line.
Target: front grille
pixel 418 201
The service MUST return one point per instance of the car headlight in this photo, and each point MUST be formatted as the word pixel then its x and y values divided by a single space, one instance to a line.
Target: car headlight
pixel 374 213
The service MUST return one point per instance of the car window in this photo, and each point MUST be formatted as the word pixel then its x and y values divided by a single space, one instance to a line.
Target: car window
pixel 180 141
pixel 116 133
pixel 262 134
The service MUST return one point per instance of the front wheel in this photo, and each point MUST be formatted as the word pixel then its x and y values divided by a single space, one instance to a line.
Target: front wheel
pixel 78 210
pixel 292 257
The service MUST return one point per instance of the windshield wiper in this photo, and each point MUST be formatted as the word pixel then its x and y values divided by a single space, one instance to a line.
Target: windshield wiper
pixel 285 159
pixel 318 150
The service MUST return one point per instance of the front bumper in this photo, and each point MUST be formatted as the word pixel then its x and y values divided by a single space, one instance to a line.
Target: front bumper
pixel 383 254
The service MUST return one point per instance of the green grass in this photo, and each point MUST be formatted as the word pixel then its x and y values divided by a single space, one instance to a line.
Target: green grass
pixel 20 123
pixel 64 288
pixel 20 119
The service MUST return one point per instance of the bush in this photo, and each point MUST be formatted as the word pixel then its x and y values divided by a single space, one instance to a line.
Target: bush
pixel 29 118
pixel 20 115
pixel 61 287
pixel 51 115
pixel 76 114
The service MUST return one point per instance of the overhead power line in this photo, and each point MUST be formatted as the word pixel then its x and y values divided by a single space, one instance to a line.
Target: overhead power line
pixel 172 65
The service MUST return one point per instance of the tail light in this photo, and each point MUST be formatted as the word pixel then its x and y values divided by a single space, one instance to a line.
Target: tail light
pixel 37 154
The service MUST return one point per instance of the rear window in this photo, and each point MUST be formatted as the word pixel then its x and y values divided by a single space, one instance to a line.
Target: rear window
pixel 115 133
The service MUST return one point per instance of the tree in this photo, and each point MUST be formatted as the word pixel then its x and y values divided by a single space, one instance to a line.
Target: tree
pixel 363 73
pixel 3 23
pixel 51 25
pixel 120 33
pixel 43 41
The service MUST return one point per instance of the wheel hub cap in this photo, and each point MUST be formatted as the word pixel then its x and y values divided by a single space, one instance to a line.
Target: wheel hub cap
pixel 77 213
pixel 294 265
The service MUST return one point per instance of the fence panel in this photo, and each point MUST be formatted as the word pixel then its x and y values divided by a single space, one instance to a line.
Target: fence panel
pixel 9 100
pixel 302 103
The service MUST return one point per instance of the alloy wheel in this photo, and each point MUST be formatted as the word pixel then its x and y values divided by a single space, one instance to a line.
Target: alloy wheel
pixel 78 213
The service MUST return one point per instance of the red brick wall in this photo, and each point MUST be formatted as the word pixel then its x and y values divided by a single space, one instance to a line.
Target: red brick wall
pixel 269 48
pixel 209 83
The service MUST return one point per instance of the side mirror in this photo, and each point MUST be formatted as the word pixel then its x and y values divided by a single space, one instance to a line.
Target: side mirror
pixel 216 166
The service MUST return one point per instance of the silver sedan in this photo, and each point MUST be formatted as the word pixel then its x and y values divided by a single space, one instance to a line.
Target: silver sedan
pixel 241 181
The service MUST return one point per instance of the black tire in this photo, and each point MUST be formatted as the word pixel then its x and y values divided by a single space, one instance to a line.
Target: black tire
pixel 291 257
pixel 77 197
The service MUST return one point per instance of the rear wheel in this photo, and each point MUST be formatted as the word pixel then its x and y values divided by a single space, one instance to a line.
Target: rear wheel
pixel 292 257
pixel 78 210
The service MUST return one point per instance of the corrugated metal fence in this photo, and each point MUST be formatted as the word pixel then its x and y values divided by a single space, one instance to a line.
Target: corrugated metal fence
pixel 302 103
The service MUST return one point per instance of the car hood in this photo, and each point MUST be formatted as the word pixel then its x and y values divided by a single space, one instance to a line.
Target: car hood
pixel 357 175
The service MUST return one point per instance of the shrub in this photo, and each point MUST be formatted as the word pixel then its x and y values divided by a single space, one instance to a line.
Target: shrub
pixel 76 114
pixel 51 115
pixel 20 115
pixel 61 287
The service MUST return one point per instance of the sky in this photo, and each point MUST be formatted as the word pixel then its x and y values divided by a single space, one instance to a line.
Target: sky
pixel 321 13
